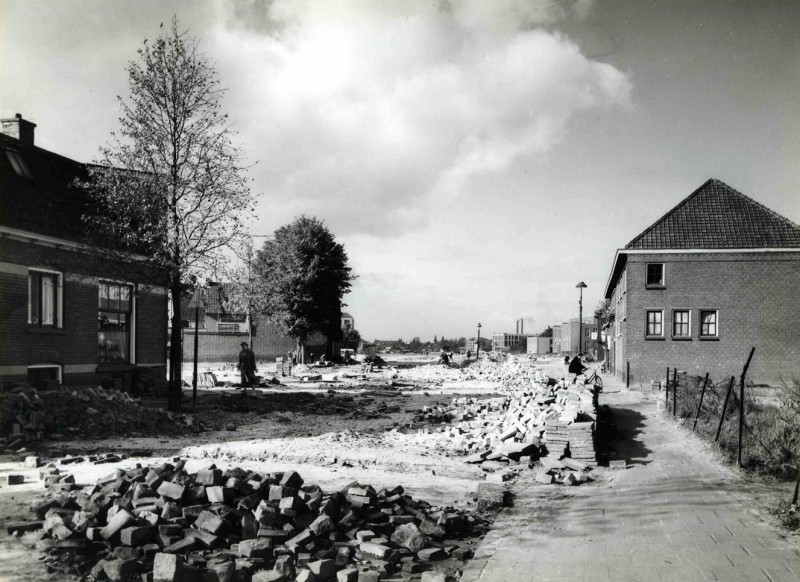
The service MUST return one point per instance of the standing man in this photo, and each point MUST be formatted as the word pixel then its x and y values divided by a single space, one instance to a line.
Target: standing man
pixel 247 366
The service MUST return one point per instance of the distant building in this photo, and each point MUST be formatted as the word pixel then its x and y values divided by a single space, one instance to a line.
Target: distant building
pixel 63 319
pixel 713 277
pixel 556 339
pixel 538 344
pixel 486 345
pixel 509 342
pixel 222 331
pixel 348 322
pixel 569 332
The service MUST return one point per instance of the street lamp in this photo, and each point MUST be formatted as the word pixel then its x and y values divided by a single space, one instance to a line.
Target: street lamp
pixel 478 343
pixel 580 286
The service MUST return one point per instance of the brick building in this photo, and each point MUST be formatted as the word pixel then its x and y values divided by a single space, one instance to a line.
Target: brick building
pixel 60 319
pixel 221 332
pixel 569 332
pixel 713 277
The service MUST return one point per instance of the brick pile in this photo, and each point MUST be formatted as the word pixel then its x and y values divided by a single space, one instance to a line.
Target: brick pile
pixel 542 420
pixel 29 415
pixel 164 524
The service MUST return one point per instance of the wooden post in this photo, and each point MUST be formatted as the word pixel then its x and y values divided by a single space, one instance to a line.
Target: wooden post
pixel 796 487
pixel 741 405
pixel 724 407
pixel 627 374
pixel 699 406
pixel 666 391
pixel 675 392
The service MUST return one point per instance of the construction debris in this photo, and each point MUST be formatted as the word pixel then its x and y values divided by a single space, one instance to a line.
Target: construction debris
pixel 544 420
pixel 29 415
pixel 164 524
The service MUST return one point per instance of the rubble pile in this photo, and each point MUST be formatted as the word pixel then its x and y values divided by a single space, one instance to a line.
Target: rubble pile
pixel 164 524
pixel 30 415
pixel 512 372
pixel 543 421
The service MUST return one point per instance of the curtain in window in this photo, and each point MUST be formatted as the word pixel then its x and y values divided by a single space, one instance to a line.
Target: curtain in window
pixel 112 337
pixel 48 300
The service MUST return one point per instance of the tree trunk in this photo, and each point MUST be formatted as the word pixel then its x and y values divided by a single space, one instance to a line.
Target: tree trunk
pixel 175 394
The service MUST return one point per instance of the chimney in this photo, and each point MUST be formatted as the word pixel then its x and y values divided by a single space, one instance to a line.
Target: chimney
pixel 517 329
pixel 18 128
pixel 521 325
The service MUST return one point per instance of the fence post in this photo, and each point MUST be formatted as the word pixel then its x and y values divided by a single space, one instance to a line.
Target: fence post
pixel 627 374
pixel 741 405
pixel 675 392
pixel 724 408
pixel 796 487
pixel 699 406
pixel 666 392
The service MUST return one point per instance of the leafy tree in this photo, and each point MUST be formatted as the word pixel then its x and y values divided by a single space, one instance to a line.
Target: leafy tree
pixel 547 332
pixel 170 185
pixel 302 275
pixel 351 338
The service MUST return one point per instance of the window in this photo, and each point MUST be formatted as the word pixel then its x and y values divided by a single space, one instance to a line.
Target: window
pixel 44 298
pixel 680 324
pixel 655 323
pixel 114 322
pixel 655 275
pixel 18 164
pixel 44 376
pixel 708 323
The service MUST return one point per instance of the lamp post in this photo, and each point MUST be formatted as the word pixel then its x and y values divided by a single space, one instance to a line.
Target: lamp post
pixel 580 286
pixel 478 343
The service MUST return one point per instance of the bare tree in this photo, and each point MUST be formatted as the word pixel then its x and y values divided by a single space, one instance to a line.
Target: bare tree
pixel 170 186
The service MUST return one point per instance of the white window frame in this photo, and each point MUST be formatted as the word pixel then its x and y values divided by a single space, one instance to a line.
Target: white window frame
pixel 134 309
pixel 716 323
pixel 688 335
pixel 58 367
pixel 647 312
pixel 663 276
pixel 59 322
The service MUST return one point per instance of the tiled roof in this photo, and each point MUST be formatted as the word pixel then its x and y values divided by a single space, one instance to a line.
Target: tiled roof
pixel 42 199
pixel 715 216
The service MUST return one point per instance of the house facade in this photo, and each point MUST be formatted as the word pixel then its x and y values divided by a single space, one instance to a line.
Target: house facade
pixel 569 333
pixel 538 344
pixel 348 322
pixel 716 276
pixel 61 320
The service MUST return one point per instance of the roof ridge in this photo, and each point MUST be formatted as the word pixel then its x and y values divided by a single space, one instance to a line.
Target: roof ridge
pixel 669 213
pixel 757 203
pixel 715 187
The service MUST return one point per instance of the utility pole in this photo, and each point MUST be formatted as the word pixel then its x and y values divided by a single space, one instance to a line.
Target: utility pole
pixel 580 286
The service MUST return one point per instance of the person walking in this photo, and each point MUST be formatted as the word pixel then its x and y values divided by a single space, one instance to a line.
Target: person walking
pixel 247 366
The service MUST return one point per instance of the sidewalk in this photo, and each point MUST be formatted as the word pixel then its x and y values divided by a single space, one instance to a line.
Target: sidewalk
pixel 668 516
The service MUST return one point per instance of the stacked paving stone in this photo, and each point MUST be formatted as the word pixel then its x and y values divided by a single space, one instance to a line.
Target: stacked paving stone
pixel 539 420
pixel 164 524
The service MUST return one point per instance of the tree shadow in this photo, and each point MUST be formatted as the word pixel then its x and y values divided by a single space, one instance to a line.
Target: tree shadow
pixel 623 437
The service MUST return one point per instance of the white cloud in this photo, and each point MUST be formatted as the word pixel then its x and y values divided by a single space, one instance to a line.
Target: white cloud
pixel 365 112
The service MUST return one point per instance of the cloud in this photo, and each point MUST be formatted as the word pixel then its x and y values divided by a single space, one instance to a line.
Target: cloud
pixel 365 112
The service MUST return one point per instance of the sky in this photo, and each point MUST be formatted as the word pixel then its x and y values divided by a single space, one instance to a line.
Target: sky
pixel 477 159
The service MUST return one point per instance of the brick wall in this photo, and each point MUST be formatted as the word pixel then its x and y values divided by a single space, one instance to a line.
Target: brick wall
pixel 757 298
pixel 268 343
pixel 74 346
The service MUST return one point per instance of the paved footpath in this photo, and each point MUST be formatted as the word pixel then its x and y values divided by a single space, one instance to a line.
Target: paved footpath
pixel 668 516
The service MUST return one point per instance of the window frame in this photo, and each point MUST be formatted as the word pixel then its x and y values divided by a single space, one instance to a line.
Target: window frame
pixel 662 284
pixel 706 336
pixel 58 306
pixel 58 367
pixel 647 334
pixel 131 320
pixel 688 335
